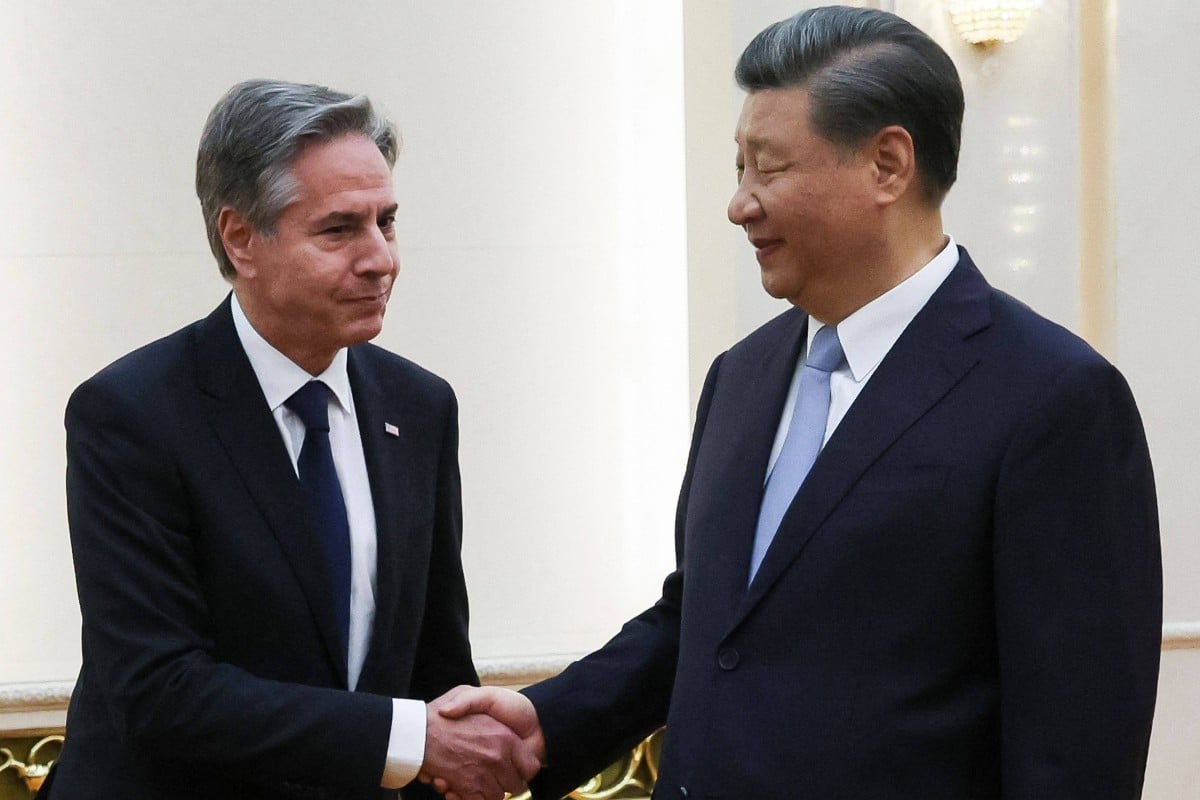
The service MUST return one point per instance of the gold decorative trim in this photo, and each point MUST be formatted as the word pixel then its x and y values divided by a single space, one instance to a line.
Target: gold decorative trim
pixel 34 708
pixel 631 778
pixel 35 771
pixel 1181 636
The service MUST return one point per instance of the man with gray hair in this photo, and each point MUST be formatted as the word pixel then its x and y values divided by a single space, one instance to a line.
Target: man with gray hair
pixel 917 538
pixel 265 509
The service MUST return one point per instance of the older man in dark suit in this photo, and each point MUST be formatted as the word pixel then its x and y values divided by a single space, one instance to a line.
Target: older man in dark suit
pixel 265 509
pixel 918 550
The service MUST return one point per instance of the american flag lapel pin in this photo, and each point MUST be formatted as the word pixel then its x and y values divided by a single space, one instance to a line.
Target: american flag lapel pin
pixel 390 429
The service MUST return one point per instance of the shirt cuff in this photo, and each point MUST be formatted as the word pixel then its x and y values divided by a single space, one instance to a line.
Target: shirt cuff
pixel 406 744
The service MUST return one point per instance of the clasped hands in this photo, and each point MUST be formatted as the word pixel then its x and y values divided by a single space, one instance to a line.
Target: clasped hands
pixel 481 743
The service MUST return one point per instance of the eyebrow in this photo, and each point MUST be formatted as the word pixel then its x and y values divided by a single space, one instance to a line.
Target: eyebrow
pixel 756 142
pixel 353 217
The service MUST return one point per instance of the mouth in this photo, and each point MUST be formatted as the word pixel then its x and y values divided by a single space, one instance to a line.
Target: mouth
pixel 764 246
pixel 370 298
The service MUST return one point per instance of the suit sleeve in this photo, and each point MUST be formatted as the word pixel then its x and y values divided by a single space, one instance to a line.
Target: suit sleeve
pixel 1078 594
pixel 147 634
pixel 443 658
pixel 604 704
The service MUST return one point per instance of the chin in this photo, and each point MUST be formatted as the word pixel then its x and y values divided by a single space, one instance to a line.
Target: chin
pixel 775 287
pixel 364 332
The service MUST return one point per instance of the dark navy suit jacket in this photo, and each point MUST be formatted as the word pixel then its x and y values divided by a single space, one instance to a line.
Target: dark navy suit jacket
pixel 210 663
pixel 962 603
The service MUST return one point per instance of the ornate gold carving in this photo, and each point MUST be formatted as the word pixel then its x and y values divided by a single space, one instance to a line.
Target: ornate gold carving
pixel 631 778
pixel 33 773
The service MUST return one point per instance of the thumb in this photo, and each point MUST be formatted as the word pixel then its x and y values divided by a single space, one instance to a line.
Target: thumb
pixel 466 702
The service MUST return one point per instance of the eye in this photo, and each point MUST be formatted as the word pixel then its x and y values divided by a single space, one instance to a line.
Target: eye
pixel 387 222
pixel 741 170
pixel 336 230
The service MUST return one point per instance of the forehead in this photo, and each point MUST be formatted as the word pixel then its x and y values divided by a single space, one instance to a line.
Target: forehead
pixel 772 118
pixel 344 165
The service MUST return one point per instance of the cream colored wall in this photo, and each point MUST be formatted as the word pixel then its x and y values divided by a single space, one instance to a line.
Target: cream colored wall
pixel 1158 288
pixel 542 230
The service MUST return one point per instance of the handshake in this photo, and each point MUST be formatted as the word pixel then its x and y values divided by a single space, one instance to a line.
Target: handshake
pixel 481 743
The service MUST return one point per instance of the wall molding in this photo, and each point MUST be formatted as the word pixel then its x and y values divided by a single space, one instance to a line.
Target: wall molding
pixel 1181 635
pixel 522 671
pixel 38 706
pixel 42 705
pixel 28 708
pixel 35 696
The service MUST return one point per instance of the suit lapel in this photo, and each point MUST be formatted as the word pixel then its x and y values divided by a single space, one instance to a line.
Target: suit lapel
pixel 245 427
pixel 389 439
pixel 742 425
pixel 929 358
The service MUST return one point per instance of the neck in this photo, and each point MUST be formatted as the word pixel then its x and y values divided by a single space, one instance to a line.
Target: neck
pixel 311 360
pixel 908 243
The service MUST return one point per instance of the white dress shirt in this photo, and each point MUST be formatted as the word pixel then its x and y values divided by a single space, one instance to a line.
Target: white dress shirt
pixel 866 336
pixel 279 378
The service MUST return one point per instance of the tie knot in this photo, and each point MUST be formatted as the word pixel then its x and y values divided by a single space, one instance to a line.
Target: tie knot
pixel 311 404
pixel 826 353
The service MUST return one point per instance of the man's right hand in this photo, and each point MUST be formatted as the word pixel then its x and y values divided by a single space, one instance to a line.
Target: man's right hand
pixel 481 743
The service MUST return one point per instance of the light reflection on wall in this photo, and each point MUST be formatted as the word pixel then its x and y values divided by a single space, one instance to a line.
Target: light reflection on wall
pixel 1020 154
pixel 1015 206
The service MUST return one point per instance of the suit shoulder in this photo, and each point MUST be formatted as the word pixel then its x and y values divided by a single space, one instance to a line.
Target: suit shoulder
pixel 143 371
pixel 1029 336
pixel 1049 366
pixel 398 372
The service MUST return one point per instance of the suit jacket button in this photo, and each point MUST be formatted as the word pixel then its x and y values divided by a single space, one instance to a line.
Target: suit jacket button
pixel 728 659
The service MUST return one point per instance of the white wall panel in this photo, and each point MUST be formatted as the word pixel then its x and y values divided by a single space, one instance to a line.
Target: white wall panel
pixel 1158 206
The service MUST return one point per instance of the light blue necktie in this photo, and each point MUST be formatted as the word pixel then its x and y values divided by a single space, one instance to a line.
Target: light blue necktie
pixel 806 433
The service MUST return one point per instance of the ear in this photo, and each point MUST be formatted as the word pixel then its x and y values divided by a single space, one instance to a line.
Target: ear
pixel 895 163
pixel 238 237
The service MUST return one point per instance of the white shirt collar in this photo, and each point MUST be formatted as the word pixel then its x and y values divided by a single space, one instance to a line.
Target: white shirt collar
pixel 869 333
pixel 278 375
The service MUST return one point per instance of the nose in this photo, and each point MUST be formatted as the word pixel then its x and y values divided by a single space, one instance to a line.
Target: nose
pixel 744 207
pixel 378 255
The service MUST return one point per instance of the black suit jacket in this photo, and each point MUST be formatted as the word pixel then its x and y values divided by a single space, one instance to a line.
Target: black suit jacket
pixel 209 666
pixel 963 601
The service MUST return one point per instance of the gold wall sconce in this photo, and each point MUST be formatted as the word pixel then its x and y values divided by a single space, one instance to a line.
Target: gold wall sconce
pixel 990 22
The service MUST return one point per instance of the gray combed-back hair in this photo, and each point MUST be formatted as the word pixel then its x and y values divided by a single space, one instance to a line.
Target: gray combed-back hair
pixel 254 135
pixel 864 70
